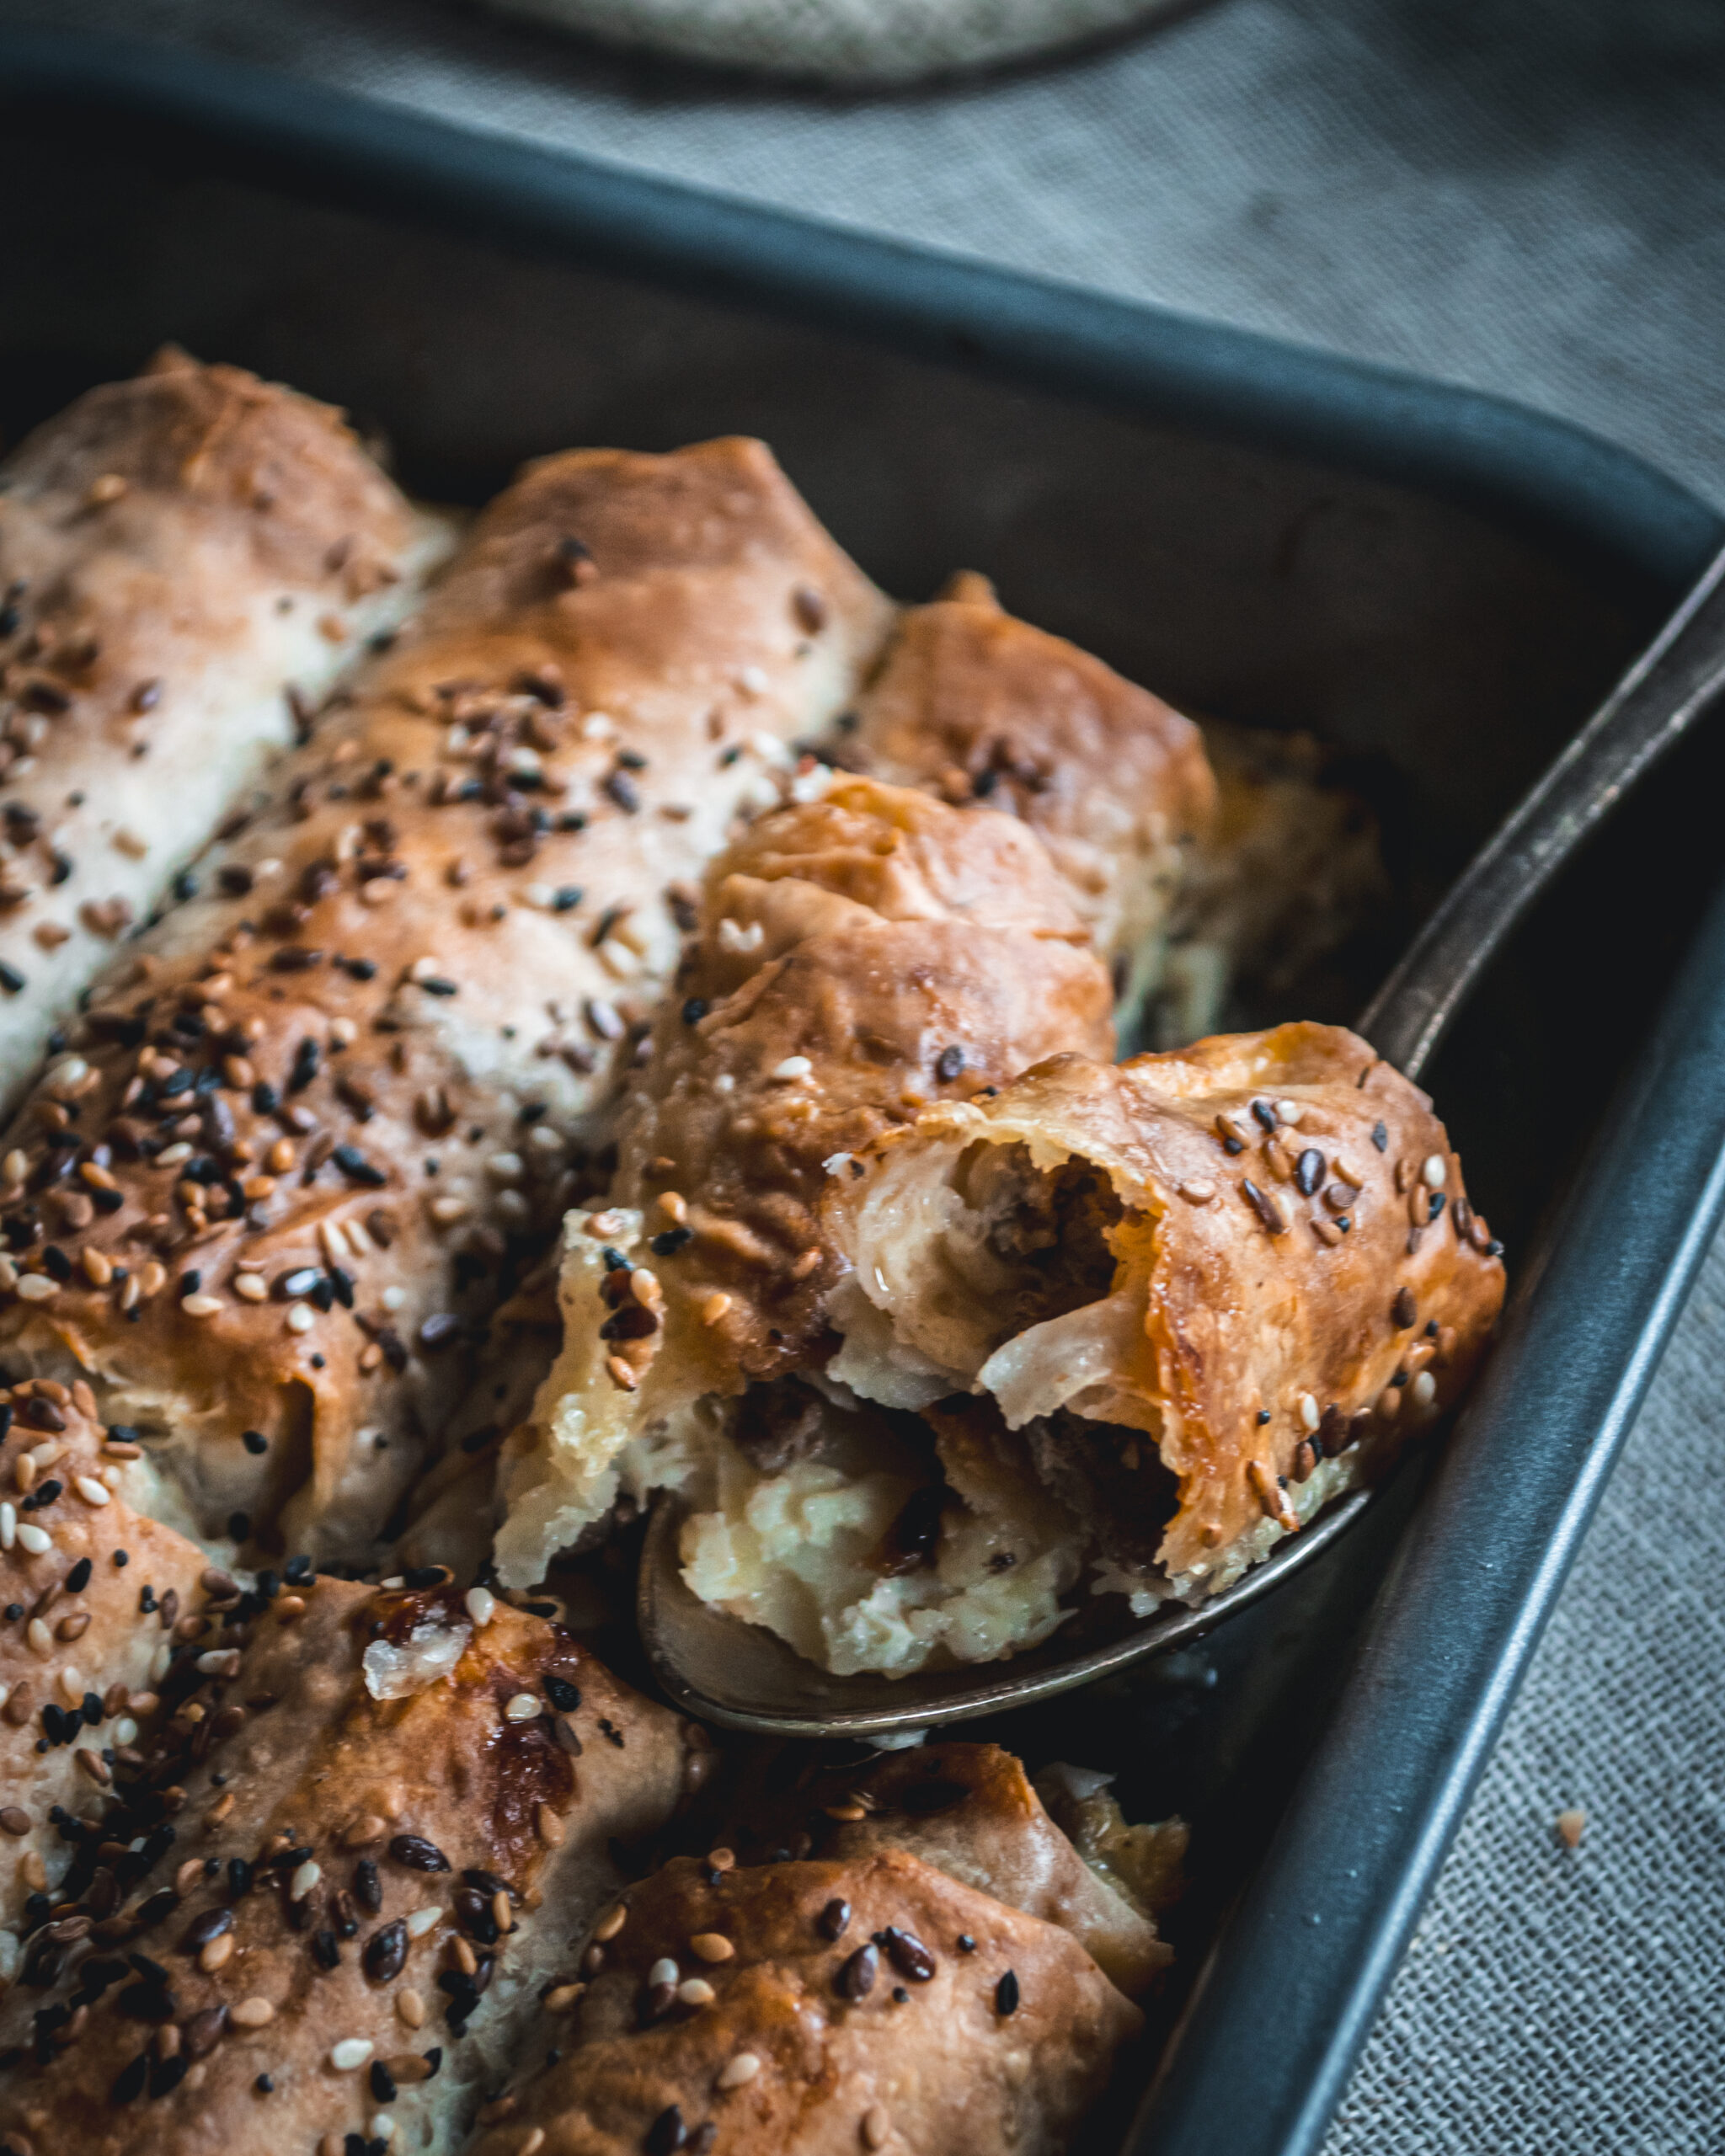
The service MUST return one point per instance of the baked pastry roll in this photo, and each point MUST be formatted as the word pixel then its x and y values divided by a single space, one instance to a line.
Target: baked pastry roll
pixel 186 560
pixel 871 2002
pixel 970 1810
pixel 375 1825
pixel 857 956
pixel 1114 783
pixel 1188 1299
pixel 301 1139
pixel 91 1590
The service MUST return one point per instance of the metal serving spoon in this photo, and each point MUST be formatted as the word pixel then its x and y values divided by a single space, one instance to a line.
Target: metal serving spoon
pixel 717 1667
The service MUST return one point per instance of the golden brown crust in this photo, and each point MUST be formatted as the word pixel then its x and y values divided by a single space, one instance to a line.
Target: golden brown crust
pixel 970 1812
pixel 1111 780
pixel 921 2043
pixel 361 1061
pixel 97 1600
pixel 857 956
pixel 1280 1302
pixel 186 558
pixel 346 1813
pixel 907 951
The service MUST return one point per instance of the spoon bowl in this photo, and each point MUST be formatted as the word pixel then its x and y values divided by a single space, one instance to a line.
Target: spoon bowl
pixel 737 1674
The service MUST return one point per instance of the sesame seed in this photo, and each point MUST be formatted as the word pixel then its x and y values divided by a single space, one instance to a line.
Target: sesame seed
pixel 350 2052
pixel 1424 1390
pixel 37 1288
pixel 711 1946
pixel 1433 1172
pixel 877 2126
pixel 612 1922
pixel 480 1602
pixel 739 2072
pixel 664 1970
pixel 561 1997
pixel 1309 1415
pixel 304 1879
pixel 420 1921
pixel 523 1707
pixel 254 2013
pixel 35 1539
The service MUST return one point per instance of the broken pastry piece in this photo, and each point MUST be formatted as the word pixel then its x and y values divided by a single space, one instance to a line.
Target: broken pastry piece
pixel 920 1981
pixel 306 1135
pixel 188 559
pixel 368 1831
pixel 1194 1297
pixel 857 956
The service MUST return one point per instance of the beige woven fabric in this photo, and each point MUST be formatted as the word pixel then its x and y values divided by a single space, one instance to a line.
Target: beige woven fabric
pixel 846 43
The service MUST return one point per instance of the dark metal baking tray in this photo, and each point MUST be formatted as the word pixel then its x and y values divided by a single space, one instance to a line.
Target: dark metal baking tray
pixel 1439 583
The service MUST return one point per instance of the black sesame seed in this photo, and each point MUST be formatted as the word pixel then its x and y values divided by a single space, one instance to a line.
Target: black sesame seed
pixel 566 899
pixel 694 1010
pixel 563 1695
pixel 264 2085
pixel 949 1064
pixel 855 1977
pixel 1381 1137
pixel 1263 1113
pixel 416 1853
pixel 1263 1417
pixel 1005 1994
pixel 965 1943
pixel 254 1442
pixel 78 1579
pixel 671 1240
pixel 667 2133
pixel 14 982
pixel 383 2081
pixel 831 1922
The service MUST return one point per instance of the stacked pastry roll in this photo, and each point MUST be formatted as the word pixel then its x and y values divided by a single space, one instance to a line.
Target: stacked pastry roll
pixel 297 1149
pixel 928 1962
pixel 1170 1363
pixel 187 559
pixel 367 1830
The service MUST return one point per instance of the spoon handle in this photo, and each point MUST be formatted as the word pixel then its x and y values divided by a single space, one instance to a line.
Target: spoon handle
pixel 1670 686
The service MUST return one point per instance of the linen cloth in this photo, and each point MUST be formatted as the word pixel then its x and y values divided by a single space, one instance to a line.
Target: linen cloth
pixel 1525 195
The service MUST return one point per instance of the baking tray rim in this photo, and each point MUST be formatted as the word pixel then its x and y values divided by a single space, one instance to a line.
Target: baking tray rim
pixel 1527 470
pixel 1291 1985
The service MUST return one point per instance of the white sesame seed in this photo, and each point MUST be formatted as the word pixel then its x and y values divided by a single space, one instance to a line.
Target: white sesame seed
pixel 9 1525
pixel 1435 1170
pixel 301 1317
pixel 65 1077
pixel 420 1921
pixel 1424 1390
pixel 733 936
pixel 40 1639
pixel 739 2072
pixel 544 1139
pixel 72 1684
pixel 392 1298
pixel 506 1168
pixel 1308 1410
pixel 126 1729
pixel 425 968
pixel 1289 1111
pixel 480 1603
pixel 724 1083
pixel 171 1156
pixel 349 2052
pixel 303 1881
pixel 36 1540
pixel 343 1032
pixel 161 1661
pixel 512 1206
pixel 524 1707
pixel 8 1275
pixel 90 1490
pixel 251 1286
pixel 335 1242
pixel 254 2013
pixel 794 1066
pixel 380 2127
pixel 663 1972
pixel 598 726
pixel 219 1662
pixel 15 1167
pixel 37 1288
pixel 394 1583
pixel 448 1209
pixel 695 1991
